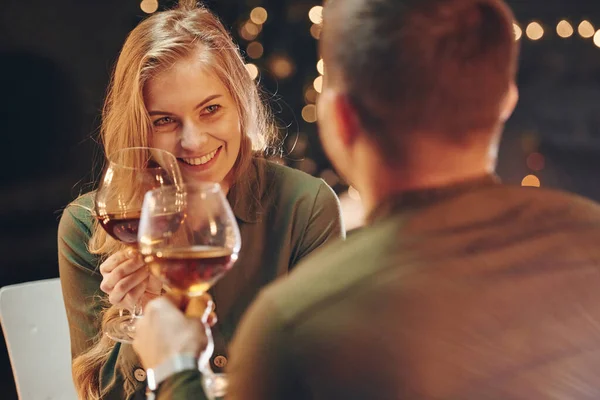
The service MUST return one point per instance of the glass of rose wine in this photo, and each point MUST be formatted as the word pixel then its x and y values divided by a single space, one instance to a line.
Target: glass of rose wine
pixel 191 256
pixel 130 173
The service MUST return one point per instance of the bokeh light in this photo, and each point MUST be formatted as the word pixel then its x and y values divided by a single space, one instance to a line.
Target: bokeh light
pixel 531 181
pixel 252 70
pixel 309 113
pixel 311 95
pixel 281 66
pixel 321 67
pixel 597 38
pixel 255 50
pixel 586 29
pixel 564 29
pixel 259 15
pixel 315 31
pixel 536 161
pixel 316 14
pixel 518 31
pixel 318 84
pixel 534 31
pixel 149 6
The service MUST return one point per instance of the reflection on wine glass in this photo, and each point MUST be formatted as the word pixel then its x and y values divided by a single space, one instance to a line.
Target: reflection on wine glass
pixel 130 173
pixel 190 239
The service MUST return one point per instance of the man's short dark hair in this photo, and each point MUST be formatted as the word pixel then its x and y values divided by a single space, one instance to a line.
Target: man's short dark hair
pixel 428 66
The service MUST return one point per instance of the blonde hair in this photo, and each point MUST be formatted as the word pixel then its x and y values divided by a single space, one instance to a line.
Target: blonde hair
pixel 154 45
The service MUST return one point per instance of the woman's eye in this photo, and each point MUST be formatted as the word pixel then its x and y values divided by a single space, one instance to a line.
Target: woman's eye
pixel 163 121
pixel 212 109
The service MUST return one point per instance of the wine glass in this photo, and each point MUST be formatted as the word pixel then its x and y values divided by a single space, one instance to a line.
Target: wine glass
pixel 130 173
pixel 189 238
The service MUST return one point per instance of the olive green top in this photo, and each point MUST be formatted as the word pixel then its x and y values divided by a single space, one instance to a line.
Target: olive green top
pixel 283 215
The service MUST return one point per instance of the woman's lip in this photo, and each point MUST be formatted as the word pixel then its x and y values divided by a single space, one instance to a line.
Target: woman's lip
pixel 200 167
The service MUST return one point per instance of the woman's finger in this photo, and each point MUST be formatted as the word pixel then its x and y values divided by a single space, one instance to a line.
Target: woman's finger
pixel 135 296
pixel 116 259
pixel 125 269
pixel 126 284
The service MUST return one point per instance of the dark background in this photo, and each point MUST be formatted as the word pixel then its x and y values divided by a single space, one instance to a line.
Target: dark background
pixel 55 60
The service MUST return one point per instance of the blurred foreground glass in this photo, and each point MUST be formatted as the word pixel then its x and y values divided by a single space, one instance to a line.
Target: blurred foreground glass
pixel 190 239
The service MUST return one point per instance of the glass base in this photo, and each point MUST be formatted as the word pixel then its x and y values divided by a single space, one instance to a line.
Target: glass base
pixel 121 329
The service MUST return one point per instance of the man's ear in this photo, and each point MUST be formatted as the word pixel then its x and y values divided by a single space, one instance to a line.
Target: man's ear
pixel 348 124
pixel 510 102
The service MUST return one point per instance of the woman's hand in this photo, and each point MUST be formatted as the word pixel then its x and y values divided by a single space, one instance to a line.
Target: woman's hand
pixel 127 281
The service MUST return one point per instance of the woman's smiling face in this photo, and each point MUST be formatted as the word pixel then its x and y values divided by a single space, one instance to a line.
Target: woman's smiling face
pixel 195 118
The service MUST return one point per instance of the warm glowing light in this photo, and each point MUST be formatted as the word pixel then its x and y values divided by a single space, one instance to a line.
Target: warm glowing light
pixel 250 30
pixel 281 66
pixel 309 113
pixel 586 29
pixel 149 6
pixel 318 84
pixel 530 180
pixel 518 31
pixel 321 67
pixel 259 15
pixel 255 50
pixel 311 95
pixel 536 161
pixel 315 31
pixel 534 31
pixel 252 70
pixel 597 38
pixel 564 29
pixel 353 193
pixel 316 14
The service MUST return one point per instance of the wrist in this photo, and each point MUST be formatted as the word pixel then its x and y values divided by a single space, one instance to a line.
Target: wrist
pixel 174 364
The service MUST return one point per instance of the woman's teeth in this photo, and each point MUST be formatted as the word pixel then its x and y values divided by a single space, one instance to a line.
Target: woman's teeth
pixel 200 160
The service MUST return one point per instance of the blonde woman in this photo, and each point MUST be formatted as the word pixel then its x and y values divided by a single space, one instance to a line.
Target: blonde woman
pixel 180 85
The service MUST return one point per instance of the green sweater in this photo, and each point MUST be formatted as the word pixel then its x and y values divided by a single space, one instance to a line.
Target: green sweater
pixel 283 214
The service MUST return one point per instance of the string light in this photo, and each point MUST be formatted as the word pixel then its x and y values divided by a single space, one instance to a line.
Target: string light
pixel 321 67
pixel 255 50
pixel 318 84
pixel 534 31
pixel 149 6
pixel 252 70
pixel 259 15
pixel 309 113
pixel 316 15
pixel 586 29
pixel 518 31
pixel 564 29
pixel 597 38
pixel 531 180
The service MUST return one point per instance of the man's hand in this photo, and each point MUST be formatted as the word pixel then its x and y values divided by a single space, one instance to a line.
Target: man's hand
pixel 164 330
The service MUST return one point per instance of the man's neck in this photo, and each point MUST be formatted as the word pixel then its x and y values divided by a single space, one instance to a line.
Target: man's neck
pixel 378 182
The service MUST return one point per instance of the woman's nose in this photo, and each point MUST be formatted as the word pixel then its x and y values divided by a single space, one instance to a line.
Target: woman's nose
pixel 192 137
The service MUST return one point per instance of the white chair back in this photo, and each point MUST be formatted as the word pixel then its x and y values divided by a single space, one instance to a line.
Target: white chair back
pixel 35 328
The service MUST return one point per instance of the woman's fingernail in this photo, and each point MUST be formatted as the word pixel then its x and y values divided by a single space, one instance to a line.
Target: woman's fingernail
pixel 130 253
